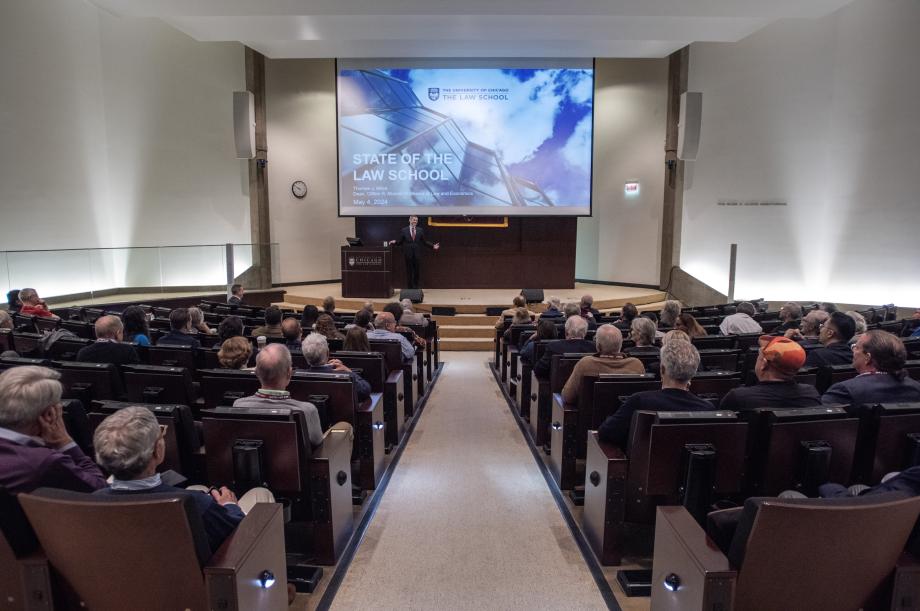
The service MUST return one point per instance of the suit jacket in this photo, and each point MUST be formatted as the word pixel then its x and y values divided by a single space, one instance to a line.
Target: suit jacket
pixel 219 521
pixel 108 352
pixel 234 300
pixel 25 467
pixel 838 353
pixel 178 338
pixel 872 388
pixel 410 247
pixel 561 346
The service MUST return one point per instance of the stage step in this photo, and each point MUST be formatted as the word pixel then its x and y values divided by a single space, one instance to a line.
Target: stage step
pixel 465 319
pixel 466 344
pixel 478 331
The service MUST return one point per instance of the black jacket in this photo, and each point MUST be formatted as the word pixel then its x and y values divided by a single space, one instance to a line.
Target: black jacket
pixel 561 346
pixel 410 247
pixel 108 352
pixel 615 429
pixel 771 394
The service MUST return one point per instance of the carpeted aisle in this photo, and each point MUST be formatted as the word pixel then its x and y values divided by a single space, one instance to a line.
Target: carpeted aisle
pixel 467 521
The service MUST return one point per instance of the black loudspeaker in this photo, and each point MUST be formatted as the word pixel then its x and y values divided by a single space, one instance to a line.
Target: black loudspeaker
pixel 413 295
pixel 443 311
pixel 532 295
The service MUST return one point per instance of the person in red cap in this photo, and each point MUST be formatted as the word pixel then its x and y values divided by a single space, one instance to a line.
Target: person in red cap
pixel 778 361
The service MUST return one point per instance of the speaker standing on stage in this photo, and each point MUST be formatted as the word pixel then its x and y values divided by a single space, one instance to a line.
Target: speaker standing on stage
pixel 411 239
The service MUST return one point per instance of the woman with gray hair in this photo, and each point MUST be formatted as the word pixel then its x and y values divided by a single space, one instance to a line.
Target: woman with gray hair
pixel 861 326
pixel 130 445
pixel 196 318
pixel 679 362
pixel 643 332
pixel 669 313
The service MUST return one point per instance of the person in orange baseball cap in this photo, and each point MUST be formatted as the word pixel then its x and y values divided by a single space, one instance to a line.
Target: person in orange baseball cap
pixel 778 361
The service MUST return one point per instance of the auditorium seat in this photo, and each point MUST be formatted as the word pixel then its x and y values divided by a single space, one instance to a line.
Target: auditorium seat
pixel 159 384
pixel 130 552
pixel 89 381
pixel 28 344
pixel 799 449
pixel 790 554
pixel 271 447
pixel 6 340
pixel 889 440
pixel 714 341
pixel 831 374
pixel 687 458
pixel 541 409
pixel 720 359
pixel 397 385
pixel 25 576
pixel 66 348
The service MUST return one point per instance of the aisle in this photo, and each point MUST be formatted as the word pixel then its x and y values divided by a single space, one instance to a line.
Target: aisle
pixel 467 521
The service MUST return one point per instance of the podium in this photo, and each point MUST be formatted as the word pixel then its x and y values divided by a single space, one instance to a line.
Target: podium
pixel 367 271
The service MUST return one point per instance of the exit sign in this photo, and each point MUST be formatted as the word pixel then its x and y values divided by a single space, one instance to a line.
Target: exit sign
pixel 631 188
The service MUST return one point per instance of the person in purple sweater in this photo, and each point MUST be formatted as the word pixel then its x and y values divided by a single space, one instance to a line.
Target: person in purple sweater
pixel 35 449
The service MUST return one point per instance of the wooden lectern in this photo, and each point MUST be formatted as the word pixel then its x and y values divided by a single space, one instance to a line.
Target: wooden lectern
pixel 367 271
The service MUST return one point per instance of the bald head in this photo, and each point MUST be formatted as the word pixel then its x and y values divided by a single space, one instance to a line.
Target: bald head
pixel 812 322
pixel 609 339
pixel 290 329
pixel 385 320
pixel 273 367
pixel 109 327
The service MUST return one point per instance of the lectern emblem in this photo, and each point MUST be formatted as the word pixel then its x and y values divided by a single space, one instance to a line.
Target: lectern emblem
pixel 434 93
pixel 351 261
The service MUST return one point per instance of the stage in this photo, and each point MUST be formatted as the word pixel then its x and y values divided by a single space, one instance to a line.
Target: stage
pixel 475 301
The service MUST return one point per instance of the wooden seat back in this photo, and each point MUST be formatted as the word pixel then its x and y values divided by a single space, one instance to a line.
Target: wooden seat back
pixel 159 384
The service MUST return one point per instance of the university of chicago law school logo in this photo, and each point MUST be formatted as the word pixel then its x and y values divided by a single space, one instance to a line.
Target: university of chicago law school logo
pixel 434 93
pixel 351 261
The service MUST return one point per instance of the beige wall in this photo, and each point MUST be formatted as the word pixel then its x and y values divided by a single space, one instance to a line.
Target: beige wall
pixel 620 243
pixel 301 133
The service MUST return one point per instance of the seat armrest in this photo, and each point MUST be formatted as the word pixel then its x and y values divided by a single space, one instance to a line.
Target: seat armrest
pixel 611 451
pixel 338 438
pixel 906 586
pixel 682 550
pixel 257 545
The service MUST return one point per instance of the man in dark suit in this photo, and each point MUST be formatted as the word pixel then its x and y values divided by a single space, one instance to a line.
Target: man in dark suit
pixel 236 294
pixel 180 330
pixel 108 347
pixel 835 335
pixel 879 358
pixel 35 449
pixel 411 239
pixel 576 328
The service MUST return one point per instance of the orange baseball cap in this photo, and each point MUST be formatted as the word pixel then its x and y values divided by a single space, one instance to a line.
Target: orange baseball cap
pixel 783 353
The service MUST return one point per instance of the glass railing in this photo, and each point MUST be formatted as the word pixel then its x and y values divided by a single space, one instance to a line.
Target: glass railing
pixel 95 272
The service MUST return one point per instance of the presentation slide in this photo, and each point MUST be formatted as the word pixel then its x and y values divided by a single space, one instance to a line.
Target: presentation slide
pixel 505 139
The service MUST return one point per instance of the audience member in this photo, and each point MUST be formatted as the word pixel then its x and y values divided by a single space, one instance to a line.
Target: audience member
pixel 553 311
pixel 325 326
pixel 35 448
pixel 669 313
pixel 576 328
pixel 628 313
pixel 363 319
pixel 230 326
pixel 130 445
pixel 907 481
pixel 6 321
pixel 741 321
pixel 108 347
pixel 687 323
pixel 521 318
pixel 791 315
pixel 679 362
pixel 234 353
pixel 308 317
pixel 828 307
pixel 33 305
pixel 642 332
pixel 12 300
pixel 517 302
pixel 860 321
pixel 410 317
pixel 587 307
pixel 196 320
pixel 290 329
pixel 236 294
pixel 834 336
pixel 136 326
pixel 272 326
pixel 809 328
pixel 879 358
pixel 329 306
pixel 778 360
pixel 609 359
pixel 396 310
pixel 385 328
pixel 546 329
pixel 356 340
pixel 273 368
pixel 180 329
pixel 316 352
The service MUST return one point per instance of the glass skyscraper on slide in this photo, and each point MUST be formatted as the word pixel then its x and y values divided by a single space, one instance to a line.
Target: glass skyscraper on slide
pixel 381 114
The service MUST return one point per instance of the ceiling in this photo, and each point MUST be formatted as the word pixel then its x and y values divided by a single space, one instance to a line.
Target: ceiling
pixel 469 28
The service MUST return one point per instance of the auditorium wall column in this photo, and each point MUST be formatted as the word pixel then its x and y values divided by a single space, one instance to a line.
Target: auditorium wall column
pixel 674 168
pixel 258 179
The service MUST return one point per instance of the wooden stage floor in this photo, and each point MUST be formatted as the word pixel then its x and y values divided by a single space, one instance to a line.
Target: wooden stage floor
pixel 475 301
